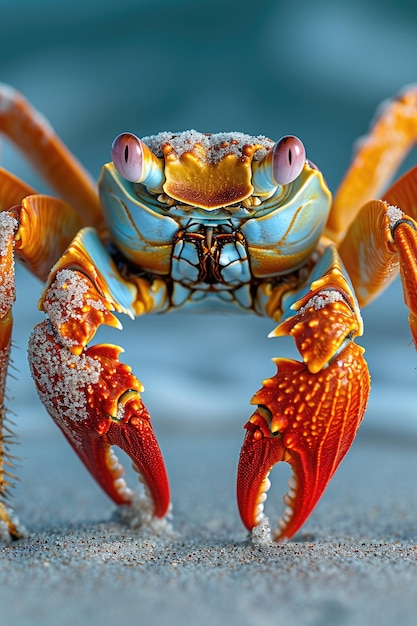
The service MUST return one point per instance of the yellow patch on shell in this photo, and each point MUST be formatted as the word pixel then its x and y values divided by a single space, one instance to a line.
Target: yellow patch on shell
pixel 194 179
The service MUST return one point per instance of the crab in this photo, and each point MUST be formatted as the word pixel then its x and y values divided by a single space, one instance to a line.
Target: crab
pixel 187 220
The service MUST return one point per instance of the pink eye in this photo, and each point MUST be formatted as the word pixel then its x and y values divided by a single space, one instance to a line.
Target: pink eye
pixel 288 159
pixel 127 156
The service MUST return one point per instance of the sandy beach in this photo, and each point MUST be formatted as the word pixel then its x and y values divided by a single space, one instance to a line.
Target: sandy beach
pixel 354 562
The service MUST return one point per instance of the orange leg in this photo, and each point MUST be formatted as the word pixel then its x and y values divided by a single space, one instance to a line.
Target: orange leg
pixel 32 134
pixel 382 242
pixel 37 229
pixel 8 225
pixel 46 225
pixel 309 412
pixel 376 160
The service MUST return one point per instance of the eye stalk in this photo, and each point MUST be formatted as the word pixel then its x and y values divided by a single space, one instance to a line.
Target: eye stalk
pixel 281 166
pixel 127 156
pixel 137 163
pixel 288 158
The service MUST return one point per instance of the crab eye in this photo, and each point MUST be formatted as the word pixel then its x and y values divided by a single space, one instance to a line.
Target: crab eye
pixel 127 156
pixel 288 159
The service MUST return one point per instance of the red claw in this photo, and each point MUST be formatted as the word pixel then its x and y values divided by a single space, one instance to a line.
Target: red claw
pixel 95 401
pixel 309 421
pixel 132 432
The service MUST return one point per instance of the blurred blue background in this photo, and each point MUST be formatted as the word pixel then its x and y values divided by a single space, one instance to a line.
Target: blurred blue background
pixel 317 70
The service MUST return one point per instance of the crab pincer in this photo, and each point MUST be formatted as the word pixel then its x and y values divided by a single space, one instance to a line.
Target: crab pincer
pixel 93 397
pixel 307 420
pixel 307 414
pixel 95 401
